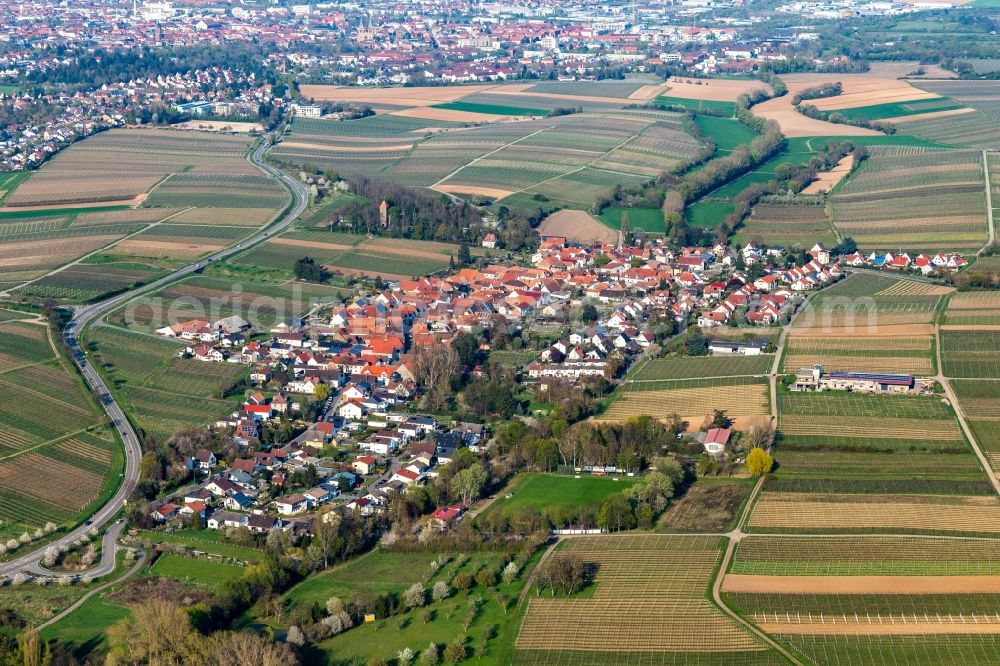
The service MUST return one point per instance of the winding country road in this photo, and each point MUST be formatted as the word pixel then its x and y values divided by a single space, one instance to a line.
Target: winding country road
pixel 30 562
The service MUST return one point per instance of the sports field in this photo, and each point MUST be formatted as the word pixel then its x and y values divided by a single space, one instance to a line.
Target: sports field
pixel 551 493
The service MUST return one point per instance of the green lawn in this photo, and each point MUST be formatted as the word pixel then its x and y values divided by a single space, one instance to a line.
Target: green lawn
pixel 727 133
pixel 649 220
pixel 707 214
pixel 195 570
pixel 548 491
pixel 86 628
pixel 209 541
pixel 495 109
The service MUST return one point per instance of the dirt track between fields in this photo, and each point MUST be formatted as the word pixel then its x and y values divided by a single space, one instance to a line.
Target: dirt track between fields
pixel 861 584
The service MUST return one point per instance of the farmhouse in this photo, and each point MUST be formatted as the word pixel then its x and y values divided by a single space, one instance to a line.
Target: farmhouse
pixel 815 379
pixel 728 348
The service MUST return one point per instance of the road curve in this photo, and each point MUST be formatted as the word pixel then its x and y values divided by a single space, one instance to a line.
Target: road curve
pixel 82 316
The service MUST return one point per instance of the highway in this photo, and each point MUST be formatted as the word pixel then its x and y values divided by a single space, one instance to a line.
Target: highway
pixel 30 562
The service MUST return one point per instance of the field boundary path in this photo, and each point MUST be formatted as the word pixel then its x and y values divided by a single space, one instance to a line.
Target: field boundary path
pixel 298 200
pixel 492 152
pixel 140 561
pixel 991 231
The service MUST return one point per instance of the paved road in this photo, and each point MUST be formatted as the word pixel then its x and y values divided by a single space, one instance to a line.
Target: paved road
pixel 30 561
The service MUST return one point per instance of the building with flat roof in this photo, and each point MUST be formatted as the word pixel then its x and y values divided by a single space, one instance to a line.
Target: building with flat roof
pixel 815 379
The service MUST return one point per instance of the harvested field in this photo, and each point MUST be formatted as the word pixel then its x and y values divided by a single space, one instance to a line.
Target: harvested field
pixel 166 249
pixel 449 115
pixel 826 180
pixel 473 190
pixel 862 584
pixel 133 202
pixel 310 244
pixel 47 188
pixel 901 513
pixel 649 597
pixel 663 399
pixel 577 226
pixel 50 253
pixel 218 126
pixel 247 217
pixel 896 120
pixel 720 90
pixel 132 216
pixel 794 124
pixel 414 96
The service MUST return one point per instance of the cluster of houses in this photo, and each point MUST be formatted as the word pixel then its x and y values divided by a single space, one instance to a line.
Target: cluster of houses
pixel 942 262
pixel 48 124
pixel 256 493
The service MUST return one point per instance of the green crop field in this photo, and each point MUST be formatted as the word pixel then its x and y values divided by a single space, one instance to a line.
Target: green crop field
pixel 196 571
pixel 726 132
pixel 898 109
pixel 728 108
pixel 494 109
pixel 649 220
pixel 707 214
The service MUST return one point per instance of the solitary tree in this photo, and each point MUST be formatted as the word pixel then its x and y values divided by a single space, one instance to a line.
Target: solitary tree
pixel 759 462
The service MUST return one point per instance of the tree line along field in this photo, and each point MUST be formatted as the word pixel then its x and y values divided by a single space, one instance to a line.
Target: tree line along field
pixel 51 469
pixel 929 200
pixel 649 606
pixel 744 398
